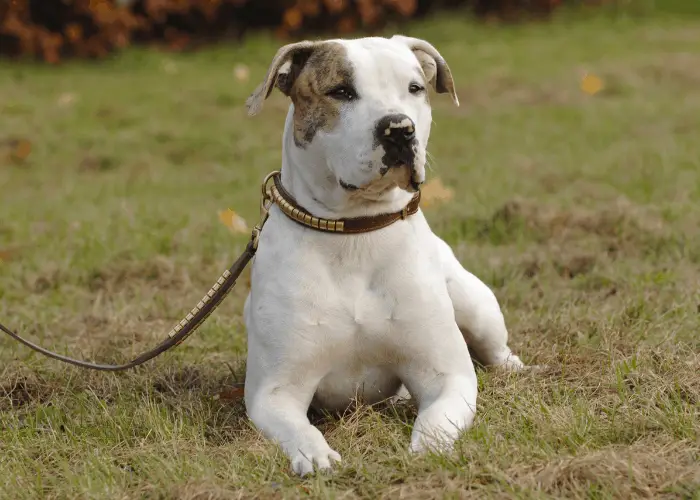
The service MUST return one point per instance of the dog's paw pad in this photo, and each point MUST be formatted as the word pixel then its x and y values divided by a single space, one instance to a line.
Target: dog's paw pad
pixel 321 459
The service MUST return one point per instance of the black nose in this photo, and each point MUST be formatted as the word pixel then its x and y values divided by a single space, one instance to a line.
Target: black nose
pixel 395 130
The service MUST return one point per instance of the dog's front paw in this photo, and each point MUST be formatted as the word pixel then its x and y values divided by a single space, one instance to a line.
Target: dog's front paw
pixel 310 455
pixel 424 443
pixel 509 363
pixel 517 366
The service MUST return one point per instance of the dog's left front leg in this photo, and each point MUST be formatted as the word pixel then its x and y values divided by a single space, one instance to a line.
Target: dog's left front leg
pixel 446 413
pixel 443 381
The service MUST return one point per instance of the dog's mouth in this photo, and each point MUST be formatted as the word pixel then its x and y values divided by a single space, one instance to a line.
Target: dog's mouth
pixel 404 173
pixel 401 174
pixel 414 186
pixel 346 186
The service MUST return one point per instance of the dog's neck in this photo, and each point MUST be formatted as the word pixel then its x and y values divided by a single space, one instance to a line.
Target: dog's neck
pixel 307 176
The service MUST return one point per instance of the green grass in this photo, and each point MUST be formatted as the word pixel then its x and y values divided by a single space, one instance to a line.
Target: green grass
pixel 582 213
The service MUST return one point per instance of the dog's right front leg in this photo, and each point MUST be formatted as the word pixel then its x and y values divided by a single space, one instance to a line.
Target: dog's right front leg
pixel 279 411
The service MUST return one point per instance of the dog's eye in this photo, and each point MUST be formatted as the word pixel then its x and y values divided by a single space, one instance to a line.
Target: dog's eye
pixel 343 93
pixel 414 88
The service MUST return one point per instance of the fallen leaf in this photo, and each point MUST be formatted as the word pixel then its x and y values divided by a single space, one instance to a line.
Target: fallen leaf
pixel 591 84
pixel 20 150
pixel 435 192
pixel 170 67
pixel 66 99
pixel 7 254
pixel 233 221
pixel 233 393
pixel 241 72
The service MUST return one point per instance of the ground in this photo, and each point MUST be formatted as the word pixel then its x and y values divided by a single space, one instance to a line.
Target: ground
pixel 580 211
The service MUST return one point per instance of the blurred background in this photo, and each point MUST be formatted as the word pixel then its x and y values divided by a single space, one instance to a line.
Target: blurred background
pixel 55 29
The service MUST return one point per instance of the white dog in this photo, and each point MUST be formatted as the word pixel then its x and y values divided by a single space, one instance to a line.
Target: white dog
pixel 334 317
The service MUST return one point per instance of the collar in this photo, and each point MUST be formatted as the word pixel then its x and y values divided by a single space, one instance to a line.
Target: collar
pixel 289 206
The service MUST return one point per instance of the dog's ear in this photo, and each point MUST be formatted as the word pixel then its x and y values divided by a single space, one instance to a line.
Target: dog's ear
pixel 283 70
pixel 434 66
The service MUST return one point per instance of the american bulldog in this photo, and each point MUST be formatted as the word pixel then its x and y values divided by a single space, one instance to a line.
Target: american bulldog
pixel 333 317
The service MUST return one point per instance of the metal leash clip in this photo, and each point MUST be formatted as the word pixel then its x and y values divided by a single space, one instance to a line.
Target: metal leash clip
pixel 266 202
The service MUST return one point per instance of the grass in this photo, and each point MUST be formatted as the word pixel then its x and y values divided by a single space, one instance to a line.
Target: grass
pixel 581 212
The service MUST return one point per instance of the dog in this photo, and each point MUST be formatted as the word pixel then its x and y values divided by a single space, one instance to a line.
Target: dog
pixel 332 318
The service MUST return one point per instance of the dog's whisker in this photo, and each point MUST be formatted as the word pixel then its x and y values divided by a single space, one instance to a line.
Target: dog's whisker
pixel 431 163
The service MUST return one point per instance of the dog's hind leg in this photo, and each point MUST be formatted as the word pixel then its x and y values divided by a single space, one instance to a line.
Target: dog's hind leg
pixel 477 313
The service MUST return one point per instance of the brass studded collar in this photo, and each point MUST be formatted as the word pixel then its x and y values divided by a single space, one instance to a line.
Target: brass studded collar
pixel 289 206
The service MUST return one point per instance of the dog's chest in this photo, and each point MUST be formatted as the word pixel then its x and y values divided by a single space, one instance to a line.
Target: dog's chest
pixel 357 304
pixel 369 306
pixel 350 294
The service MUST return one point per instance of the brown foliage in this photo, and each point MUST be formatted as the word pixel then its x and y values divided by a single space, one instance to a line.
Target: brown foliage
pixel 52 29
pixel 55 29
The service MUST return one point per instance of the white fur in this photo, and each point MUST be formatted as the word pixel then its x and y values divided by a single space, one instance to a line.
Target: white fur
pixel 331 317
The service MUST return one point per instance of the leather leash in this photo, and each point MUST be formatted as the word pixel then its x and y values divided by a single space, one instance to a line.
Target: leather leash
pixel 216 294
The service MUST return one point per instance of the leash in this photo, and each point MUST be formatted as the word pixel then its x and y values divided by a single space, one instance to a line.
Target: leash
pixel 216 294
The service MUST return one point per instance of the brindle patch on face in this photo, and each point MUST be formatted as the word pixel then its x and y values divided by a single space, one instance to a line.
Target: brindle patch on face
pixel 327 68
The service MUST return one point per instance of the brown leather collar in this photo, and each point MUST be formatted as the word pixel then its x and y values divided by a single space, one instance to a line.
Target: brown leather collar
pixel 297 213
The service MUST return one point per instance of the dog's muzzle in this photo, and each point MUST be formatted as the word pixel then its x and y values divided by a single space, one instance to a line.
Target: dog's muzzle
pixel 396 133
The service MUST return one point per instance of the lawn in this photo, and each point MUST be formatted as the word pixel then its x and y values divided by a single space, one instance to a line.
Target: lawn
pixel 580 211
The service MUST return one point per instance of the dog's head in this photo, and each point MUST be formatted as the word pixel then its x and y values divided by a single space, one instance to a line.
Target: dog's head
pixel 362 105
